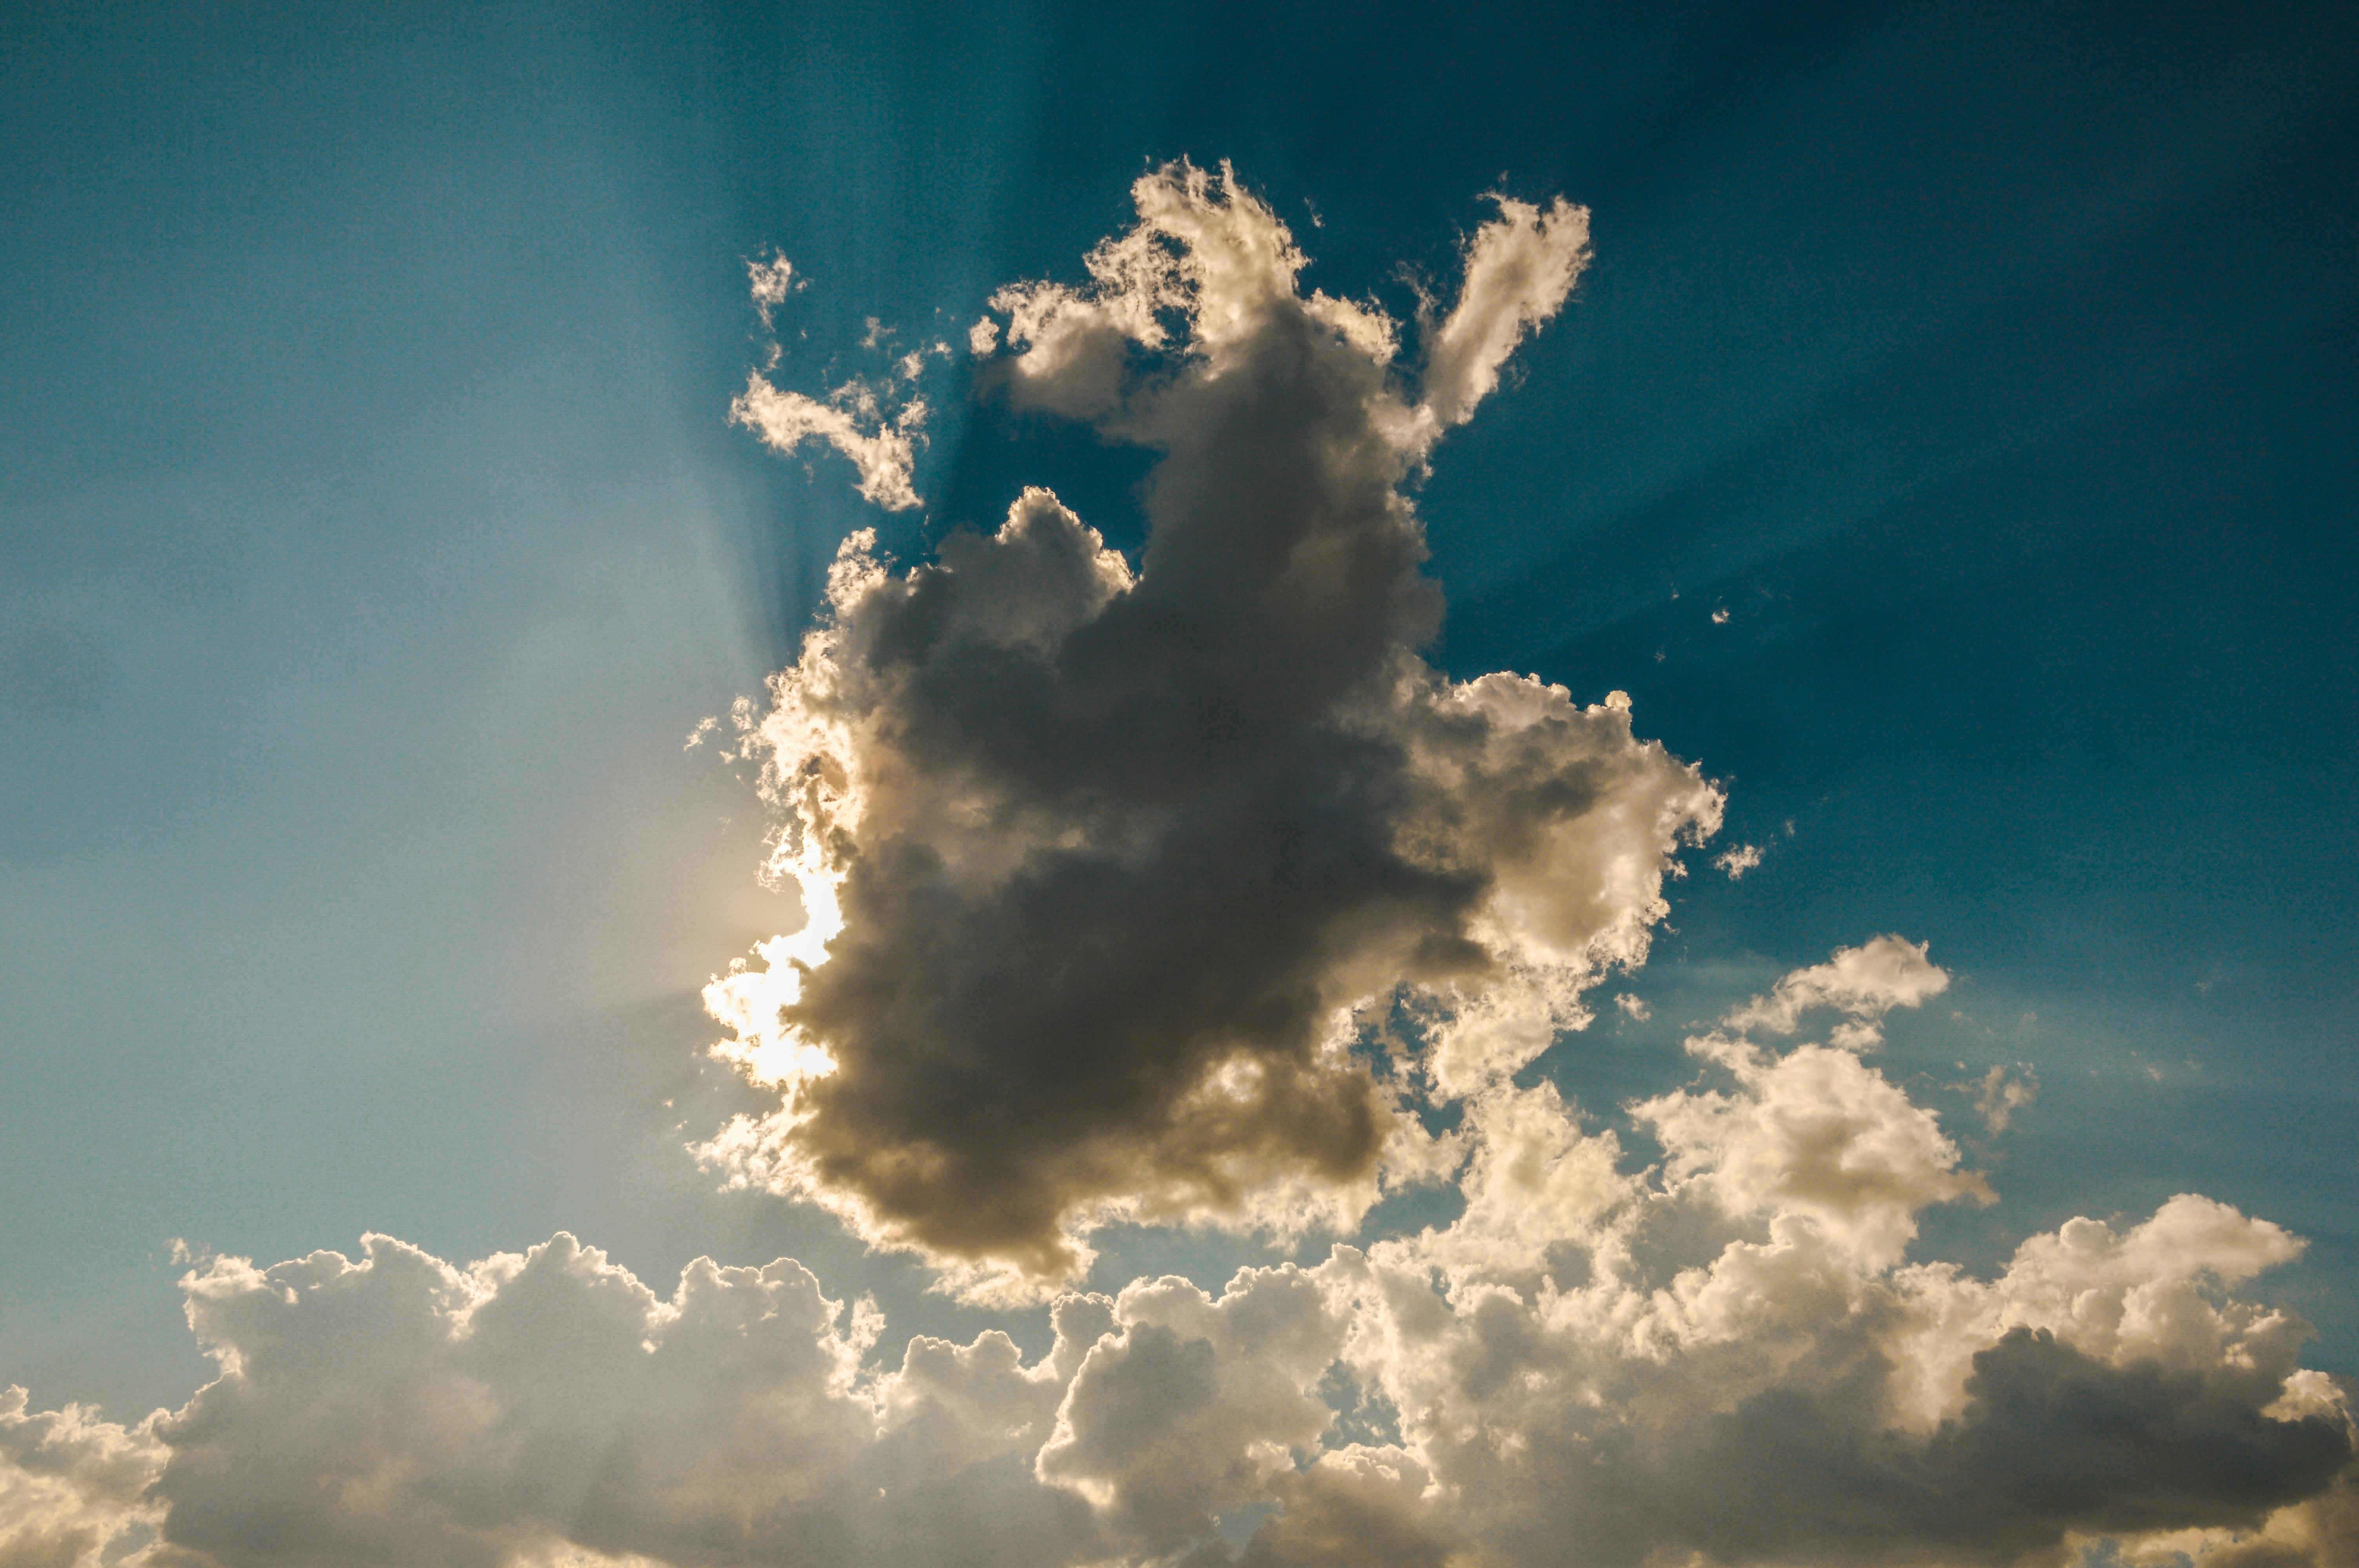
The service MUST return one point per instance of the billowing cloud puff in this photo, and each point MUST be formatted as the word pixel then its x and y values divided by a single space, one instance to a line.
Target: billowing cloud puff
pixel 1109 864
pixel 1816 1133
pixel 399 1411
pixel 1714 1361
pixel 73 1487
pixel 1195 1407
pixel 1862 983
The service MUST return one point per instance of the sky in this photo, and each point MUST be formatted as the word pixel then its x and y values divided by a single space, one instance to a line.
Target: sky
pixel 1128 464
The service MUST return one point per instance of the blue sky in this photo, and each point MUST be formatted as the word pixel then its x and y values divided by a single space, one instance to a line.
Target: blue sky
pixel 371 537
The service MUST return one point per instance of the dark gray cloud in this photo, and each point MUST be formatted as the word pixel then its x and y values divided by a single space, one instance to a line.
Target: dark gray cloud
pixel 2053 1444
pixel 1108 858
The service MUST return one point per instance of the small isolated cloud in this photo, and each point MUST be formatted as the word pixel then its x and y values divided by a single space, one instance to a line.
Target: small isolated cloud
pixel 1738 860
pixel 771 282
pixel 2001 1093
pixel 912 365
pixel 1518 270
pixel 1720 616
pixel 73 1487
pixel 881 442
pixel 1861 983
pixel 1634 1007
pixel 879 429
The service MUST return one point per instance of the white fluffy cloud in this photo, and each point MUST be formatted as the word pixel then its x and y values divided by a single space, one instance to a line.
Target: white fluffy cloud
pixel 73 1487
pixel 1519 271
pixel 770 283
pixel 1723 1359
pixel 881 443
pixel 397 1409
pixel 1862 983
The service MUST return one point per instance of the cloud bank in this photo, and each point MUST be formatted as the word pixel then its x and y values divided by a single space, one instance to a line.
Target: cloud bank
pixel 1723 1358
pixel 1183 889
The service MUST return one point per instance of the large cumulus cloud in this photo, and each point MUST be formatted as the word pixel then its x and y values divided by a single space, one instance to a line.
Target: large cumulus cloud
pixel 396 1409
pixel 1182 889
pixel 1723 1358
pixel 1104 860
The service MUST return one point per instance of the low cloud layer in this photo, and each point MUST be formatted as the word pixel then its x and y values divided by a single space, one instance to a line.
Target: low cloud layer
pixel 1112 865
pixel 1726 1357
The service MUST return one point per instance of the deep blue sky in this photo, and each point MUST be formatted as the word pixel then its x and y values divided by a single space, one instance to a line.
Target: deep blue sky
pixel 370 537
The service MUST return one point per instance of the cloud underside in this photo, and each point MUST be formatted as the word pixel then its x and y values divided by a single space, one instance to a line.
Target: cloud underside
pixel 1121 875
pixel 1725 1358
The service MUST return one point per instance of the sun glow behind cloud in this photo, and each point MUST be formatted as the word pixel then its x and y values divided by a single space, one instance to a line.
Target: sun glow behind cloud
pixel 1224 781
pixel 1184 892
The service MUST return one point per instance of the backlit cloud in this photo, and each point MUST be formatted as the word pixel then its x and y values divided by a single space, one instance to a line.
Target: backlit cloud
pixel 1861 983
pixel 881 441
pixel 1181 888
pixel 1110 864
pixel 73 1487
pixel 1724 1359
